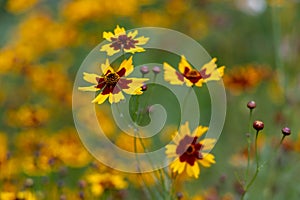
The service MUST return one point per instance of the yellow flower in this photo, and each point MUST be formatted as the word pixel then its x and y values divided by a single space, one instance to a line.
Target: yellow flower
pixel 7 196
pixel 245 77
pixel 188 152
pixel 120 41
pixel 190 76
pixel 18 6
pixel 26 195
pixel 112 83
pixel 100 182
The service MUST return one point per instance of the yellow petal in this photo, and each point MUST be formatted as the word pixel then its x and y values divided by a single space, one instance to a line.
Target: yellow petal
pixel 127 64
pixel 200 130
pixel 134 50
pixel 207 160
pixel 142 40
pixel 193 170
pixel 216 75
pixel 135 87
pixel 171 150
pixel 200 83
pixel 184 129
pixel 91 78
pixel 109 50
pixel 208 144
pixel 105 67
pixel 108 35
pixel 178 166
pixel 115 98
pixel 89 88
pixel 100 98
pixel 171 76
pixel 119 31
pixel 183 64
pixel 132 34
pixel 210 66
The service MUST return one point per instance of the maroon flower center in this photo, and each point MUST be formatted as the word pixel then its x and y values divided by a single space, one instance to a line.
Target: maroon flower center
pixel 193 75
pixel 189 150
pixel 111 78
pixel 123 42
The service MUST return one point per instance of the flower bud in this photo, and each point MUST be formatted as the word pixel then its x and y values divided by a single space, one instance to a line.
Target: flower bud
pixel 156 69
pixel 144 87
pixel 258 125
pixel 144 70
pixel 251 105
pixel 286 131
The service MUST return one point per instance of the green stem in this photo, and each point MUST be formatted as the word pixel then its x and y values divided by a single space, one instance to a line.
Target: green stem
pixel 257 168
pixel 248 145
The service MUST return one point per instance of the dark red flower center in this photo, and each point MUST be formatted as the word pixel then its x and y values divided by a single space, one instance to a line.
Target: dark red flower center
pixel 194 75
pixel 111 79
pixel 113 82
pixel 123 42
pixel 189 150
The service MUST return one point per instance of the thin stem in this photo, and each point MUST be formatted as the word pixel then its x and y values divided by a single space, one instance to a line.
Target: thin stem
pixel 248 145
pixel 257 168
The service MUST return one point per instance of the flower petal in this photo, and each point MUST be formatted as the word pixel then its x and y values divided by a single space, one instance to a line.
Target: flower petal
pixel 106 67
pixel 109 50
pixel 134 50
pixel 199 131
pixel 108 35
pixel 178 166
pixel 115 98
pixel 171 150
pixel 119 30
pixel 91 78
pixel 100 98
pixel 193 170
pixel 183 65
pixel 141 40
pixel 89 88
pixel 207 160
pixel 208 144
pixel 135 86
pixel 127 65
pixel 216 75
pixel 184 129
pixel 132 34
pixel 172 76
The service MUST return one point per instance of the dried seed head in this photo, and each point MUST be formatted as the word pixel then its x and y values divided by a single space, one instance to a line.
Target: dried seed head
pixel 258 125
pixel 286 131
pixel 251 105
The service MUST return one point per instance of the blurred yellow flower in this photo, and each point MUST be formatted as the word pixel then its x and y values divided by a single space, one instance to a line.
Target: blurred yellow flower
pixel 187 152
pixel 246 77
pixel 190 76
pixel 100 182
pixel 18 6
pixel 121 41
pixel 66 146
pixel 112 83
pixel 28 116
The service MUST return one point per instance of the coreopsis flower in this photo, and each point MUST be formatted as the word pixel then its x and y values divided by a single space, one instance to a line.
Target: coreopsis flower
pixel 111 83
pixel 190 76
pixel 122 41
pixel 188 152
pixel 100 182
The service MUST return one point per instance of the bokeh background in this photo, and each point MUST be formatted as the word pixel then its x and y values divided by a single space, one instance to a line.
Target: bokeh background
pixel 43 43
